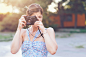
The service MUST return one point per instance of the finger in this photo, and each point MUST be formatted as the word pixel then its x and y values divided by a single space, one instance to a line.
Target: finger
pixel 36 16
pixel 38 26
pixel 23 15
pixel 24 21
pixel 22 18
pixel 40 22
pixel 23 24
pixel 37 22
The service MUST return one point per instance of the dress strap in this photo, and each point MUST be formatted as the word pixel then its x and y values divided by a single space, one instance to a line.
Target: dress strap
pixel 28 34
pixel 36 35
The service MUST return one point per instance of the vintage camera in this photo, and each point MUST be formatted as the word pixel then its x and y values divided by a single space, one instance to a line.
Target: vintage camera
pixel 30 20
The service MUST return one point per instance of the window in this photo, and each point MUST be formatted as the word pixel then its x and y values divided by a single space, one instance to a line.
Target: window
pixel 68 17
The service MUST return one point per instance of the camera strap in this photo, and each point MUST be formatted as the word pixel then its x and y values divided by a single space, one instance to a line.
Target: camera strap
pixel 33 35
pixel 40 32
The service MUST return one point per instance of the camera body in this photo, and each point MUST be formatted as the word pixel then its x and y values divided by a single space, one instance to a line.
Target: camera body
pixel 30 20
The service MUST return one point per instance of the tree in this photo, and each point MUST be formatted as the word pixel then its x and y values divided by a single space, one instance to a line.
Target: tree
pixel 60 11
pixel 20 4
pixel 2 16
pixel 10 22
pixel 74 6
pixel 44 4
pixel 77 7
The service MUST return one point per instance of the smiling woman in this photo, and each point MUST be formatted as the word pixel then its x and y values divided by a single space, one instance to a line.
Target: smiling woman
pixel 4 8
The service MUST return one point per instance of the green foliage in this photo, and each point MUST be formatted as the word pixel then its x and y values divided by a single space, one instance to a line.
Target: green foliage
pixel 20 4
pixel 77 6
pixel 63 35
pixel 10 22
pixel 56 35
pixel 74 6
pixel 80 46
pixel 6 36
pixel 80 31
pixel 83 30
pixel 44 4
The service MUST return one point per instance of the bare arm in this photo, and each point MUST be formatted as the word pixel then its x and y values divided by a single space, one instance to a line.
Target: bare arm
pixel 16 42
pixel 50 41
pixel 17 39
pixel 49 36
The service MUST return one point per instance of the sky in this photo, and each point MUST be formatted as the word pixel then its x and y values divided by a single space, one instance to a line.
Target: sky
pixel 51 7
pixel 4 8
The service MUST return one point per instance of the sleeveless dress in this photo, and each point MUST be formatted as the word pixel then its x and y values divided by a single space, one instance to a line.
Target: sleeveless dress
pixel 34 48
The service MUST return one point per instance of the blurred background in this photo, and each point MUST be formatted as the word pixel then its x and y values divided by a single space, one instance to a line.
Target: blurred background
pixel 67 17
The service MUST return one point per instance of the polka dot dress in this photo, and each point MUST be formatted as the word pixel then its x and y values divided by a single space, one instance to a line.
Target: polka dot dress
pixel 34 48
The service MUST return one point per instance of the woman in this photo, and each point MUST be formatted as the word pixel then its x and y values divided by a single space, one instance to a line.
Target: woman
pixel 29 39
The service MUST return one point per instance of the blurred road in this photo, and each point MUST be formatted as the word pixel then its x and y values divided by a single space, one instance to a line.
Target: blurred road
pixel 72 46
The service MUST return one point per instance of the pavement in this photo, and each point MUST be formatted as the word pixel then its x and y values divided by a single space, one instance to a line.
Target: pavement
pixel 70 45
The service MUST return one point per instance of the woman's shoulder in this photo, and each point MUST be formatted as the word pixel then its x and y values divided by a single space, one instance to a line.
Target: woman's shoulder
pixel 49 29
pixel 23 31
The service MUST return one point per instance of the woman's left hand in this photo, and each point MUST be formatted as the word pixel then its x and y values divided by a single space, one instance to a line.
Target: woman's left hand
pixel 40 25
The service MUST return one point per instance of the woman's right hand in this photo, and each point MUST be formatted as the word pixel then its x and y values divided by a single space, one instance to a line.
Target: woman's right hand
pixel 22 22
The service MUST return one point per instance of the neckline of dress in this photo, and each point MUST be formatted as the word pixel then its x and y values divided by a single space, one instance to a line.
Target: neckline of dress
pixel 34 41
pixel 37 33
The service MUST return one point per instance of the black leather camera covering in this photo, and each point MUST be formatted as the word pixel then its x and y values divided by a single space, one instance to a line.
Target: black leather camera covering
pixel 30 20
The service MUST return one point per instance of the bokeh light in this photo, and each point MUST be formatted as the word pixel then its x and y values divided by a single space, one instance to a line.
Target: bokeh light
pixel 4 8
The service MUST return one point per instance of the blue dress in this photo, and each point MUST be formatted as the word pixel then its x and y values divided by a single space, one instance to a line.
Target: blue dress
pixel 34 48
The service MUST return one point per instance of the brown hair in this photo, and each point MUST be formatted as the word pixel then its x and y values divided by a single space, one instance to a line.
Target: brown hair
pixel 34 8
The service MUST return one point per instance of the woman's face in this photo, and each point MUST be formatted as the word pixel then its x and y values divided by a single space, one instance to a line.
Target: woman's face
pixel 38 15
